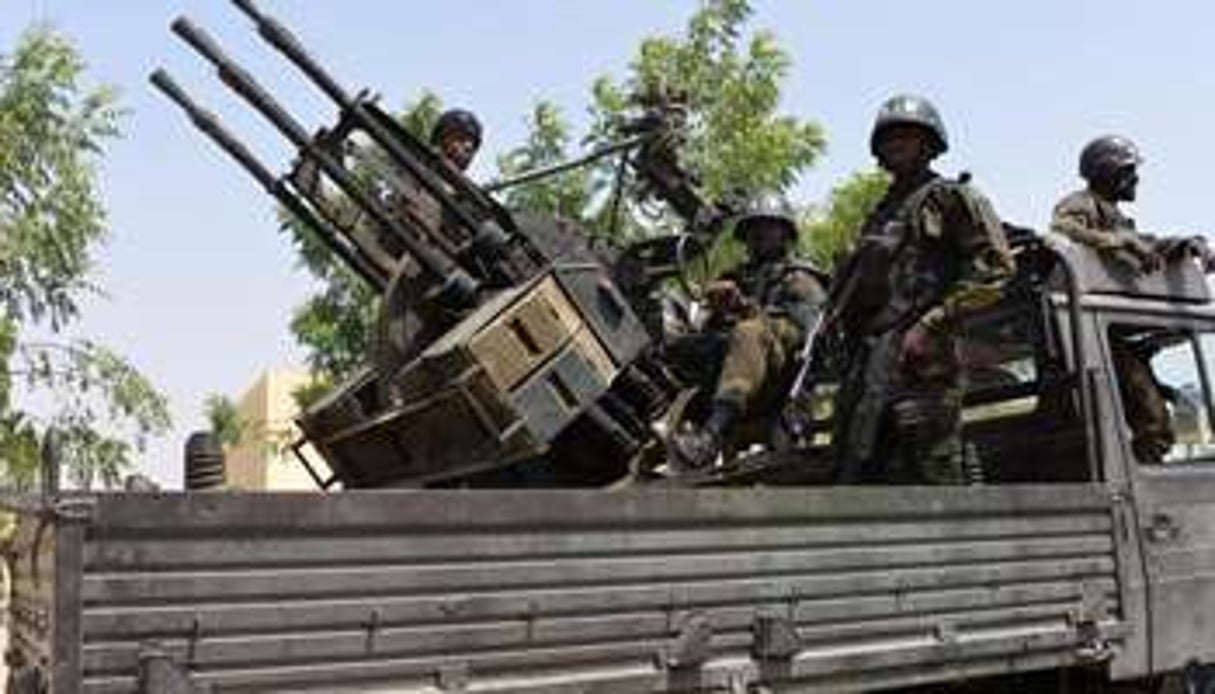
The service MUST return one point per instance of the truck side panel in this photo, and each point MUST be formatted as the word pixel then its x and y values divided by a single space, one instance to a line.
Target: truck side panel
pixel 627 591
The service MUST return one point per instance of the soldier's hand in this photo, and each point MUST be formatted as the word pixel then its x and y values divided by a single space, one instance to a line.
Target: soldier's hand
pixel 724 297
pixel 1197 246
pixel 917 346
pixel 1149 258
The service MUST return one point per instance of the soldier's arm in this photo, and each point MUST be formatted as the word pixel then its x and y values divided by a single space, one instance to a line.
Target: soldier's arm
pixel 801 296
pixel 970 228
pixel 1075 219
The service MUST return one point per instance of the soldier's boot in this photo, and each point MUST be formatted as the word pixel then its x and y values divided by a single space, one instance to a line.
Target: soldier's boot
pixel 698 449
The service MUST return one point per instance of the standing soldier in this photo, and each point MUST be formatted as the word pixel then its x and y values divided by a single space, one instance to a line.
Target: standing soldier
pixel 1109 165
pixel 762 311
pixel 941 254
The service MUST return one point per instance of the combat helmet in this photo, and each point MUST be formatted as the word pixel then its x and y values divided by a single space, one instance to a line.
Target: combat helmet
pixel 456 120
pixel 908 109
pixel 768 207
pixel 1104 158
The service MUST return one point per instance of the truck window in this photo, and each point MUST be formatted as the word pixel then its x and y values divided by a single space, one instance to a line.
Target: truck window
pixel 998 354
pixel 1163 377
pixel 1020 422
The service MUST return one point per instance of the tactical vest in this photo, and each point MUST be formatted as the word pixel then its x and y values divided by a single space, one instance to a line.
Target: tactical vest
pixel 921 265
pixel 766 285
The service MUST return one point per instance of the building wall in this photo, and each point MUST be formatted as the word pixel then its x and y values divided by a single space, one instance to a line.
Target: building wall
pixel 263 459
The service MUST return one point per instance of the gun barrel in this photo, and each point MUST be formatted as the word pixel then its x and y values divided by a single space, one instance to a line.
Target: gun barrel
pixel 562 167
pixel 209 124
pixel 459 287
pixel 281 38
pixel 240 80
pixel 463 202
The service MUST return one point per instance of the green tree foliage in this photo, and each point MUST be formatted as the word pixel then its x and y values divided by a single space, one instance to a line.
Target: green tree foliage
pixel 829 231
pixel 729 80
pixel 566 195
pixel 52 129
pixel 225 422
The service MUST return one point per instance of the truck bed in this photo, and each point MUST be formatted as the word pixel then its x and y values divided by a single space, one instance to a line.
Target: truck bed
pixel 556 591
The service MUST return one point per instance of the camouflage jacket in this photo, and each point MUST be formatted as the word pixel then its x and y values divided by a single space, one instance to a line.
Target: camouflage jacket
pixel 787 288
pixel 1086 218
pixel 948 255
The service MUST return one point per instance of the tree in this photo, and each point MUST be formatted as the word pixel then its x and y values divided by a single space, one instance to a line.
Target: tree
pixel 52 129
pixel 737 140
pixel 830 230
pixel 226 423
pixel 731 82
pixel 566 195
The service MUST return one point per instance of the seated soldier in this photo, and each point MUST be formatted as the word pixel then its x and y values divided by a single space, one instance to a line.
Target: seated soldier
pixel 762 309
pixel 1091 216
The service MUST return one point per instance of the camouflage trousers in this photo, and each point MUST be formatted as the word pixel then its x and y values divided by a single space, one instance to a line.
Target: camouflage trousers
pixel 896 425
pixel 1146 412
pixel 756 364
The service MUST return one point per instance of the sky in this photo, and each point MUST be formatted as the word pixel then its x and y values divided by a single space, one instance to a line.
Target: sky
pixel 201 285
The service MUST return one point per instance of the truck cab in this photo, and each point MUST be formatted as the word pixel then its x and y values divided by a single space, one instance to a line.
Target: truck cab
pixel 1078 365
pixel 1166 322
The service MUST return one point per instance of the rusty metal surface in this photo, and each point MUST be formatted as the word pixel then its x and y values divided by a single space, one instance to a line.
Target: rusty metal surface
pixel 563 590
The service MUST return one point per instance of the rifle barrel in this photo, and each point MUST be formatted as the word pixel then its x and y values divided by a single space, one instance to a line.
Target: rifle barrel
pixel 562 167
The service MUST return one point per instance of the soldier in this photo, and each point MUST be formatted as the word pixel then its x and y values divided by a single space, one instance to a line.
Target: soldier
pixel 941 254
pixel 457 136
pixel 762 309
pixel 1109 165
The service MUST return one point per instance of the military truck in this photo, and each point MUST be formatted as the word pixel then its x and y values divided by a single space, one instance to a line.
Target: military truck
pixel 1072 566
pixel 511 353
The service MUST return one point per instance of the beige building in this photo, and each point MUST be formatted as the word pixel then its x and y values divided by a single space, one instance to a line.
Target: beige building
pixel 264 460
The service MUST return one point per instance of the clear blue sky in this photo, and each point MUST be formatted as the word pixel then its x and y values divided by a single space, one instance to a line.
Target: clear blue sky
pixel 202 285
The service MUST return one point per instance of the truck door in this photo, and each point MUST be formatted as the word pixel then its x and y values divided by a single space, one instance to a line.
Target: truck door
pixel 1167 421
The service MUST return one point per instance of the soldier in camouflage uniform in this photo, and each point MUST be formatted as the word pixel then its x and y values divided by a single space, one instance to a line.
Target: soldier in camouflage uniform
pixel 762 310
pixel 1091 216
pixel 457 136
pixel 1109 166
pixel 942 255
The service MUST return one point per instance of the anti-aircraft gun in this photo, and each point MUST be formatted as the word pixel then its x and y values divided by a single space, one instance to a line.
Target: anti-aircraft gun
pixel 505 351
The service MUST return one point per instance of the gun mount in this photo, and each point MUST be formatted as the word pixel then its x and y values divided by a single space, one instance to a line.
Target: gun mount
pixel 505 350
